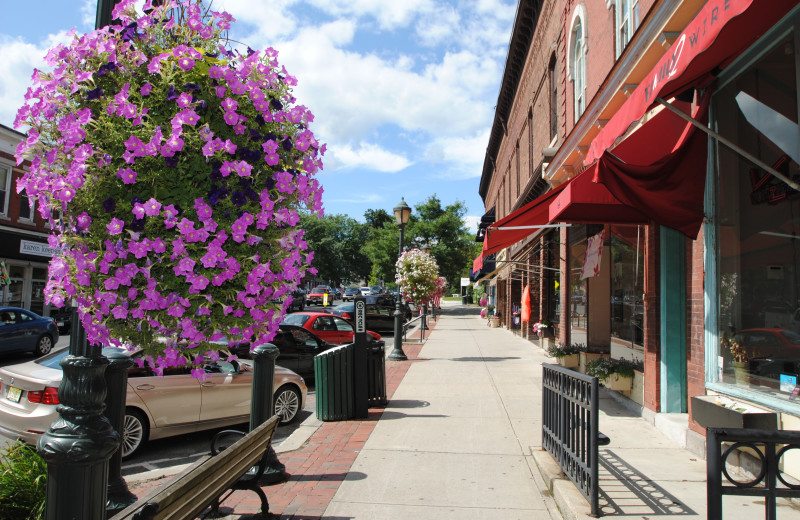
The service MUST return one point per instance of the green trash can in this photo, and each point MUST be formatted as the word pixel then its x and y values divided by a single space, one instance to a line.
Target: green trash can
pixel 333 373
pixel 376 374
pixel 464 300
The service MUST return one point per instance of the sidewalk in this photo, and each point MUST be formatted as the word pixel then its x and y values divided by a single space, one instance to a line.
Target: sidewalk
pixel 460 438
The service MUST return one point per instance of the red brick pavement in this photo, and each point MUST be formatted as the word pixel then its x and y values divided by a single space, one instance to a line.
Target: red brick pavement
pixel 317 469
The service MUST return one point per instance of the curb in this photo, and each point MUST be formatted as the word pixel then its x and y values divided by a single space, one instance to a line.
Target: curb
pixel 571 503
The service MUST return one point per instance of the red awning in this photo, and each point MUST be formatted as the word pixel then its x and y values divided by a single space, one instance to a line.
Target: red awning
pixel 584 201
pixel 660 170
pixel 519 224
pixel 719 32
pixel 477 264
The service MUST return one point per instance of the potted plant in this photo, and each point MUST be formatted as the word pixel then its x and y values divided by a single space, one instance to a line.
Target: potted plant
pixel 173 171
pixel 566 355
pixel 740 356
pixel 543 328
pixel 495 321
pixel 615 374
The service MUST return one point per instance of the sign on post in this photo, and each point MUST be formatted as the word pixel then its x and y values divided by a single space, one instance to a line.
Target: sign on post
pixel 361 316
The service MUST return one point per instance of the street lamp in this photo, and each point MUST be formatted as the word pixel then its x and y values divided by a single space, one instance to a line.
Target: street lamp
pixel 402 212
pixel 426 248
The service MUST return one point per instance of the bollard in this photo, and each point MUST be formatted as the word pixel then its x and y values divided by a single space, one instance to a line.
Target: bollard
pixel 119 496
pixel 262 406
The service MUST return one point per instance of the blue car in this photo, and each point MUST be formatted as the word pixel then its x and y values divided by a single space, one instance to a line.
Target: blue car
pixel 24 331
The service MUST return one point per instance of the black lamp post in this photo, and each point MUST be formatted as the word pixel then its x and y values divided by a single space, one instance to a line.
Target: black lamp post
pixel 426 248
pixel 402 212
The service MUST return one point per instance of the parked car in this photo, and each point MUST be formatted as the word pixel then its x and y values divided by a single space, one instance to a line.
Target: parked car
pixel 331 328
pixel 365 291
pixel 297 347
pixel 317 294
pixel 63 318
pixel 350 293
pixel 24 331
pixel 156 406
pixel 380 312
pixel 298 300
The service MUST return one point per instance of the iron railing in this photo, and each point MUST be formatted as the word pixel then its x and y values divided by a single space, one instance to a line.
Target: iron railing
pixel 767 447
pixel 570 409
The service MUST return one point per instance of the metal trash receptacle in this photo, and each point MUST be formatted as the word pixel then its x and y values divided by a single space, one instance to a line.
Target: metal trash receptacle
pixel 376 374
pixel 333 373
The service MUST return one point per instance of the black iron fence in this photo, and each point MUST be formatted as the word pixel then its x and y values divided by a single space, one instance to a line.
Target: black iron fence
pixel 766 447
pixel 570 409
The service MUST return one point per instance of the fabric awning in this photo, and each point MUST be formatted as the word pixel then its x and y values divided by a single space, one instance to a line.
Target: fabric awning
pixel 584 201
pixel 477 264
pixel 660 170
pixel 519 224
pixel 486 220
pixel 719 32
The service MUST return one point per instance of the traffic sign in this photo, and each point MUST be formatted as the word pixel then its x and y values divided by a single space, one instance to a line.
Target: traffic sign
pixel 361 318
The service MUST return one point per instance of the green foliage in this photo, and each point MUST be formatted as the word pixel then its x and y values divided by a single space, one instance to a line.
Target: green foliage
pixel 557 350
pixel 602 368
pixel 23 483
pixel 338 245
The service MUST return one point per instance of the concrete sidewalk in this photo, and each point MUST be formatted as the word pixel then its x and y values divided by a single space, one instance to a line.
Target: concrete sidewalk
pixel 460 438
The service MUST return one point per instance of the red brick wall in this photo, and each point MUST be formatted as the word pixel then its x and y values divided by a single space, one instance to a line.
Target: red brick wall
pixel 652 320
pixel 695 322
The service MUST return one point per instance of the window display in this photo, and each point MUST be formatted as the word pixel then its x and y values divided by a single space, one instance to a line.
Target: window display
pixel 758 228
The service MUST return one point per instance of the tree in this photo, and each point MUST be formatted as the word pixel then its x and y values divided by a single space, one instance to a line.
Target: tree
pixel 338 245
pixel 377 218
pixel 442 228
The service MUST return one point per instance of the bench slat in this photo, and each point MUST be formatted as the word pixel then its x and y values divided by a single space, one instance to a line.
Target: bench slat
pixel 195 488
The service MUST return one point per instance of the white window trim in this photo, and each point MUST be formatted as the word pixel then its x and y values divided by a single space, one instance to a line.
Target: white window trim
pixel 618 15
pixel 9 174
pixel 578 19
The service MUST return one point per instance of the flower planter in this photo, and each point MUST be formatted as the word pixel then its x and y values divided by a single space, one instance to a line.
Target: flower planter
pixel 494 322
pixel 716 411
pixel 741 373
pixel 571 361
pixel 618 383
pixel 585 357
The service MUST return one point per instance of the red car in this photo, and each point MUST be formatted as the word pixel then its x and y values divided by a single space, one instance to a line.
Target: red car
pixel 317 294
pixel 332 329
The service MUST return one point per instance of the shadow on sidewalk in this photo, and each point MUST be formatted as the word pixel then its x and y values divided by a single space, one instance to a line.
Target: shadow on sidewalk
pixel 390 415
pixel 479 358
pixel 326 477
pixel 408 403
pixel 624 491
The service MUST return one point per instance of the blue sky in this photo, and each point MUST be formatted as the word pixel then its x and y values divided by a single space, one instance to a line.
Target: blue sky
pixel 403 90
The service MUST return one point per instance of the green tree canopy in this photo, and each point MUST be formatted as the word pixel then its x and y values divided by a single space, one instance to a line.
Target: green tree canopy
pixel 338 244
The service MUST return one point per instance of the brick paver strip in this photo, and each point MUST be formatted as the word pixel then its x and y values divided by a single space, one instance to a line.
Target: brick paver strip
pixel 317 469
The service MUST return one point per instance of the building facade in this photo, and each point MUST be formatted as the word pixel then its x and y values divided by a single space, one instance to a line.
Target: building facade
pixel 643 173
pixel 23 235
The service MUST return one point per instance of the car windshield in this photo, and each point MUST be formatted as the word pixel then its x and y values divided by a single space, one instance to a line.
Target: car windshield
pixel 791 336
pixel 346 307
pixel 295 319
pixel 53 359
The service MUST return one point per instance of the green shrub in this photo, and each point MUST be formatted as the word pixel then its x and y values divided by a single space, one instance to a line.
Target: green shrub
pixel 557 350
pixel 23 483
pixel 602 368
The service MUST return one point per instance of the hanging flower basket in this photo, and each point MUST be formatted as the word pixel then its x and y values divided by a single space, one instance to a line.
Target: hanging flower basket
pixel 172 170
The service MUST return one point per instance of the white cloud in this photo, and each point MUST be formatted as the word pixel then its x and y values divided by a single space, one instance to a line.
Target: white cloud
pixel 16 68
pixel 360 198
pixel 273 18
pixel 368 156
pixel 471 222
pixel 390 14
pixel 464 155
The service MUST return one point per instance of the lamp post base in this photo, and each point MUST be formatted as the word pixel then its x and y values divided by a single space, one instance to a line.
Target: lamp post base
pixel 397 355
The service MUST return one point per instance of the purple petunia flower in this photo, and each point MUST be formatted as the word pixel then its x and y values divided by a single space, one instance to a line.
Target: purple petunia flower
pixel 127 175
pixel 146 89
pixel 115 227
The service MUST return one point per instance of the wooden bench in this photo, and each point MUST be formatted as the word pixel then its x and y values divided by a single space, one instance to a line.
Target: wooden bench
pixel 239 465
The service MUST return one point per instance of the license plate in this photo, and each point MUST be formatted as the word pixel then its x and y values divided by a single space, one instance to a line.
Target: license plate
pixel 14 394
pixel 60 323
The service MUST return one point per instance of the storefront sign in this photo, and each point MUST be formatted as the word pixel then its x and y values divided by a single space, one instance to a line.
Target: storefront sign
pixel 594 250
pixel 36 248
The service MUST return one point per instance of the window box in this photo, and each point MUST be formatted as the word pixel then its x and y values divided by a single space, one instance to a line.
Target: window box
pixel 716 411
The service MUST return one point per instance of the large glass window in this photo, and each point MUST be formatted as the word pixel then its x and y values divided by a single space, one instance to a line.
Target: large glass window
pixel 578 69
pixel 758 228
pixel 578 287
pixel 25 206
pixel 627 287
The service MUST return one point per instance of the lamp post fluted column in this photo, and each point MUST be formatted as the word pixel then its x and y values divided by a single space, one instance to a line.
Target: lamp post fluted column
pixel 402 212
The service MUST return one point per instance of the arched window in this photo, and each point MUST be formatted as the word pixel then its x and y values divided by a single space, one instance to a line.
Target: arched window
pixel 627 20
pixel 577 60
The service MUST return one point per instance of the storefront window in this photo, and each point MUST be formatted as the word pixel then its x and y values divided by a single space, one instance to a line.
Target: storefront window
pixel 578 288
pixel 552 281
pixel 627 282
pixel 38 283
pixel 758 219
pixel 15 294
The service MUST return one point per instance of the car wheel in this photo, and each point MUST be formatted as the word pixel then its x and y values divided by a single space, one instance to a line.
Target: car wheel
pixel 134 432
pixel 287 404
pixel 43 346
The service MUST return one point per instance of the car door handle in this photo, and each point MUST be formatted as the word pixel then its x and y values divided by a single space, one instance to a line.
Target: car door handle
pixel 145 387
pixel 208 384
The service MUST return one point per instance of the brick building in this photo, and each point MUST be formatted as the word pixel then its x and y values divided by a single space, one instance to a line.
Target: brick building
pixel 23 234
pixel 638 233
